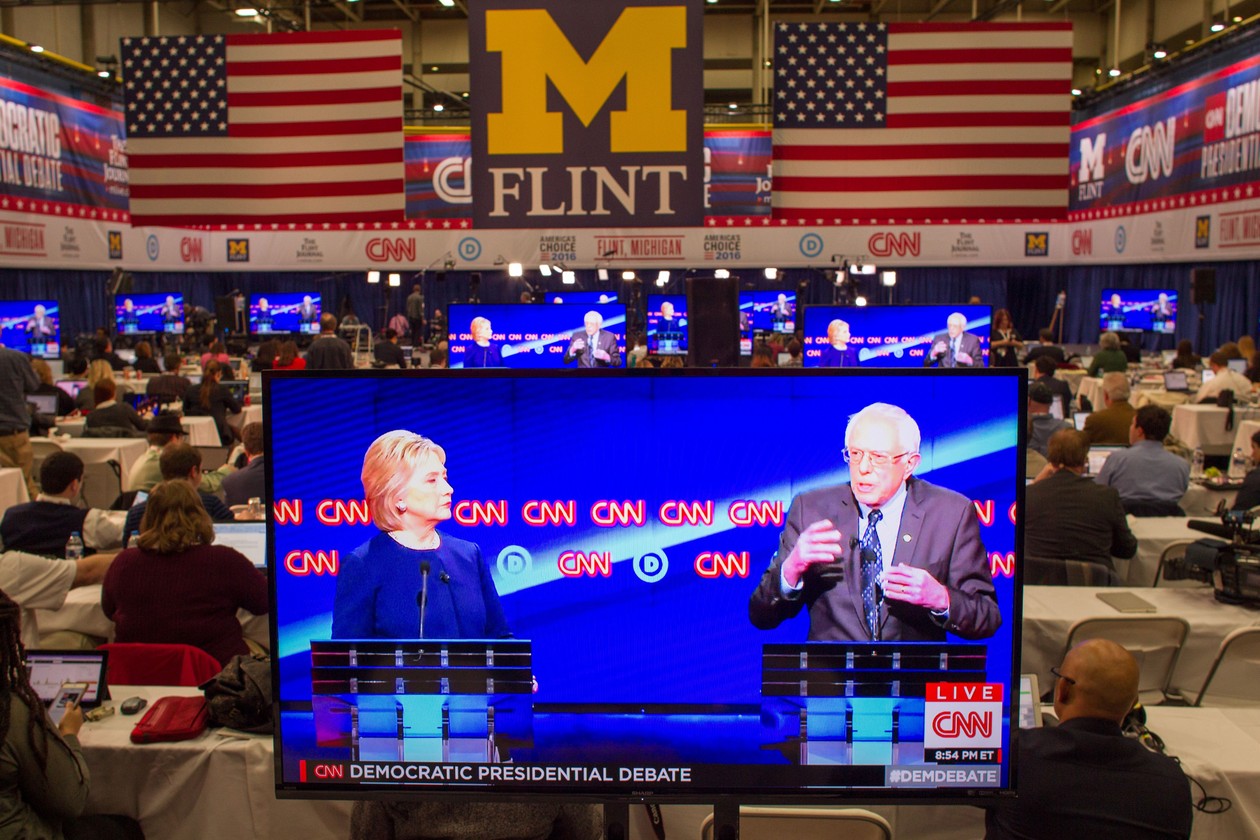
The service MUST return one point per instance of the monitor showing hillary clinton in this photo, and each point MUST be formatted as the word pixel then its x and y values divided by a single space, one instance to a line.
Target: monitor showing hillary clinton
pixel 536 583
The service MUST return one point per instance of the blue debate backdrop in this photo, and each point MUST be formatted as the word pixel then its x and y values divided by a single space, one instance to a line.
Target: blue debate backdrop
pixel 23 329
pixel 654 630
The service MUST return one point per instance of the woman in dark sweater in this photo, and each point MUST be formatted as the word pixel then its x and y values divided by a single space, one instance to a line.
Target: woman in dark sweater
pixel 145 363
pixel 111 413
pixel 210 399
pixel 176 587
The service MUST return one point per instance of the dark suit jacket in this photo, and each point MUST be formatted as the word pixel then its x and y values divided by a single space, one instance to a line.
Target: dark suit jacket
pixel 604 340
pixel 249 482
pixel 1111 425
pixel 1072 517
pixel 944 539
pixel 967 343
pixel 1061 390
pixel 1083 779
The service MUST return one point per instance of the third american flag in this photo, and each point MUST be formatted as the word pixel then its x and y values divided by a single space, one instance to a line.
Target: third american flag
pixel 901 123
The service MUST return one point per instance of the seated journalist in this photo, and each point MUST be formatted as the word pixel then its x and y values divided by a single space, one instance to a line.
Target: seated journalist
pixel 887 556
pixel 1083 778
pixel 379 583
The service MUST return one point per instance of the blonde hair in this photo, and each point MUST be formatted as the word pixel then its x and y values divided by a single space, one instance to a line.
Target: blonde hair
pixel 175 520
pixel 99 369
pixel 42 370
pixel 388 466
pixel 833 329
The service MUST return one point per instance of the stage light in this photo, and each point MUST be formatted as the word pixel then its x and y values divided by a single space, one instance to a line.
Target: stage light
pixel 602 274
pixel 395 279
pixel 771 273
pixel 860 300
pixel 374 277
pixel 888 278
pixel 627 275
pixel 544 270
pixel 662 278
pixel 721 274
pixel 568 277
pixel 515 270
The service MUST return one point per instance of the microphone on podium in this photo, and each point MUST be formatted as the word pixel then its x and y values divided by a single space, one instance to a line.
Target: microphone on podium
pixel 422 598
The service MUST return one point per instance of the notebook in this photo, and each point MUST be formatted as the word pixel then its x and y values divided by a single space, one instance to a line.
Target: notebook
pixel 249 538
pixel 50 668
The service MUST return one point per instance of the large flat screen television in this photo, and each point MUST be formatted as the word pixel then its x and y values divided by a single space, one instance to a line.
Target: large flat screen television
pixel 31 326
pixel 284 312
pixel 1153 310
pixel 767 311
pixel 897 336
pixel 518 335
pixel 162 312
pixel 667 325
pixel 596 613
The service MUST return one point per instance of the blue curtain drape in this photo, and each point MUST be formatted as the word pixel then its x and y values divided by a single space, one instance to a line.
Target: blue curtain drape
pixel 1028 292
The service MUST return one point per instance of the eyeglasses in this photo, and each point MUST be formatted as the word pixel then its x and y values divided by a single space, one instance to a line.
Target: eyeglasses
pixel 878 459
pixel 1056 672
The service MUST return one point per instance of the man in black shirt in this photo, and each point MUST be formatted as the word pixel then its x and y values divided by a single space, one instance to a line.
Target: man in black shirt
pixel 1046 347
pixel 388 352
pixel 1083 778
pixel 1249 495
pixel 1046 367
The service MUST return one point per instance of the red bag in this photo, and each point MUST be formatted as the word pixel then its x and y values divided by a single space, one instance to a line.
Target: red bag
pixel 172 719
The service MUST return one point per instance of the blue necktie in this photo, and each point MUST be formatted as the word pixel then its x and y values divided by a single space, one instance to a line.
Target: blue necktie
pixel 872 563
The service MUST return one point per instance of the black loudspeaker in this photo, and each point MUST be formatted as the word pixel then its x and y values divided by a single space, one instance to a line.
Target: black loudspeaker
pixel 712 322
pixel 225 315
pixel 1203 286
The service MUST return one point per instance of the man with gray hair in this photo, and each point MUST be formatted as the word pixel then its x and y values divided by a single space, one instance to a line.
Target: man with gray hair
pixel 1083 778
pixel 955 347
pixel 887 557
pixel 595 346
pixel 1110 426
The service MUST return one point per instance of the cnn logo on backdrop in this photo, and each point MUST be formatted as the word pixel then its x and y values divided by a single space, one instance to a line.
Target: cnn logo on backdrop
pixel 963 715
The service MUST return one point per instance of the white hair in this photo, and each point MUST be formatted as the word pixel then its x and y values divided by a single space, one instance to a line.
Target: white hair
pixel 599 319
pixel 908 434
pixel 957 317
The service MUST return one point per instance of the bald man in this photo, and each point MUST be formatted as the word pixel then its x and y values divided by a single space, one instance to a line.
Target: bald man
pixel 1083 778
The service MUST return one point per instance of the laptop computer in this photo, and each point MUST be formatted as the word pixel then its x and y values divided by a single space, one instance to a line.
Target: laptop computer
pixel 238 389
pixel 1238 365
pixel 1175 381
pixel 1098 456
pixel 1079 418
pixel 72 386
pixel 44 403
pixel 1208 375
pixel 126 354
pixel 50 668
pixel 1029 702
pixel 1167 356
pixel 249 538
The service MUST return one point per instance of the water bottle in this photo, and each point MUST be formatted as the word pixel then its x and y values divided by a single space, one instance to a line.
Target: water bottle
pixel 255 510
pixel 74 547
pixel 1197 470
pixel 1238 464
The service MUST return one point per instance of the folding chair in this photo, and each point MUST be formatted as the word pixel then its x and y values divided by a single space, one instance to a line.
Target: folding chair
pixel 135 663
pixel 1154 641
pixel 43 447
pixel 1173 554
pixel 772 823
pixel 1045 571
pixel 1234 679
pixel 102 477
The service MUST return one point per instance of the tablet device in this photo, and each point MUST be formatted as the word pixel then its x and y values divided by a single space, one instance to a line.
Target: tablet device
pixel 1126 602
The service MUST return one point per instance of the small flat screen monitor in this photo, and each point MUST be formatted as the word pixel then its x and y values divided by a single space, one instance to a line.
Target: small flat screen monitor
pixel 1176 380
pixel 518 335
pixel 72 386
pixel 1237 365
pixel 578 296
pixel 31 326
pixel 162 312
pixel 601 617
pixel 44 403
pixel 1098 456
pixel 667 325
pixel 1154 310
pixel 284 312
pixel 897 336
pixel 767 311
pixel 249 538
pixel 48 669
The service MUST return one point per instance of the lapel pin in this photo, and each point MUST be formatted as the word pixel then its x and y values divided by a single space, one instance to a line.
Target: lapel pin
pixel 905 538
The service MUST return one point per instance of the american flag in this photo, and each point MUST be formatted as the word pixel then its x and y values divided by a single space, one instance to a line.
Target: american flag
pixel 882 123
pixel 295 127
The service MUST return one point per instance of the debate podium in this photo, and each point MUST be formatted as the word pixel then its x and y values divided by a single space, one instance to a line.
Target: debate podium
pixel 857 702
pixel 428 700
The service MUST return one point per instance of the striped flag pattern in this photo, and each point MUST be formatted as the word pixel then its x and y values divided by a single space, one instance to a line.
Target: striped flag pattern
pixel 293 127
pixel 919 123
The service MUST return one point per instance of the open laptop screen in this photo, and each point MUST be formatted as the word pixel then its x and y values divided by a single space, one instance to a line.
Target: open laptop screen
pixel 249 538
pixel 50 668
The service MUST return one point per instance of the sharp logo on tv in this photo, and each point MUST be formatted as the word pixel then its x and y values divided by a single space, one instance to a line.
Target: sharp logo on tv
pixel 192 249
pixel 1091 173
pixel 69 244
pixel 238 250
pixel 309 251
pixel 1037 244
pixel 1239 229
pixel 391 249
pixel 894 244
pixel 722 246
pixel 23 240
pixel 587 114
pixel 115 240
pixel 639 248
pixel 1082 242
pixel 1203 232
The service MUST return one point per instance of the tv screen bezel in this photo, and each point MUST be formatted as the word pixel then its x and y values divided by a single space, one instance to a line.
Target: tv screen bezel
pixel 742 795
pixel 988 365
